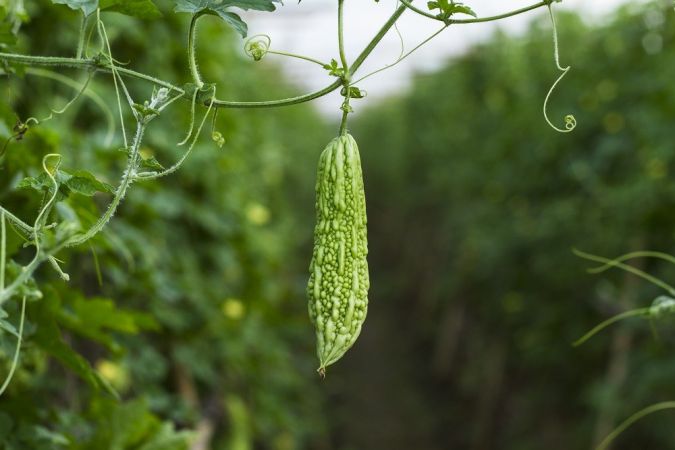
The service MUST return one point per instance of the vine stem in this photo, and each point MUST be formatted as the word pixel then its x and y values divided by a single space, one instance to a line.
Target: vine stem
pixel 17 351
pixel 90 63
pixel 341 36
pixel 3 249
pixel 328 89
pixel 40 255
pixel 407 4
pixel 98 64
pixel 127 179
pixel 376 40
pixel 23 226
pixel 192 59
pixel 81 37
pixel 343 122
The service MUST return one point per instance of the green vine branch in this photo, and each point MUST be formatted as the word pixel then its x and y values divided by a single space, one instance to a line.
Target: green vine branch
pixel 49 240
pixel 516 12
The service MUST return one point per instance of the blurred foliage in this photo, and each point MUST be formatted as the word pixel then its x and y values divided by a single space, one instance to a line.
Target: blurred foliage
pixel 475 205
pixel 190 305
pixel 186 319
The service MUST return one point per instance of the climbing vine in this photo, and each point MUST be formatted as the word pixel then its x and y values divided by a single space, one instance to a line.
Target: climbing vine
pixel 50 231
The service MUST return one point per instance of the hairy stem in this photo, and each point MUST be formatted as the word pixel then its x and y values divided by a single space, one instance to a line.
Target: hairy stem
pixel 80 39
pixel 127 179
pixel 3 249
pixel 192 59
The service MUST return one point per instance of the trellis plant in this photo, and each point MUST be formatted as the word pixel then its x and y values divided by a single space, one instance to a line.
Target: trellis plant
pixel 339 282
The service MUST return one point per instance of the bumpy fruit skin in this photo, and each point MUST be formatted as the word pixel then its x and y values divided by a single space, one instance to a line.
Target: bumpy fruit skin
pixel 338 283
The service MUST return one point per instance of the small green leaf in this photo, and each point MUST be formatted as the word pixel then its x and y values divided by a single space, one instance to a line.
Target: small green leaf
pixel 334 68
pixel 8 327
pixel 151 163
pixel 86 6
pixel 447 8
pixel 143 9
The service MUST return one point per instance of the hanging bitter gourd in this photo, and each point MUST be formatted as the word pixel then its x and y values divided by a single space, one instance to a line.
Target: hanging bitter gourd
pixel 338 283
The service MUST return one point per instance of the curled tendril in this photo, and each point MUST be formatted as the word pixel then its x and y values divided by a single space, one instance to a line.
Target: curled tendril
pixel 353 92
pixel 570 120
pixel 257 46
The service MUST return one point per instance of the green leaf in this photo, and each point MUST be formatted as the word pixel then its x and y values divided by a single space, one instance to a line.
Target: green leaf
pixel 132 425
pixel 7 36
pixel 94 318
pixel 78 182
pixel 151 163
pixel 83 182
pixel 8 327
pixel 220 8
pixel 48 337
pixel 143 9
pixel 167 438
pixel 86 6
pixel 448 8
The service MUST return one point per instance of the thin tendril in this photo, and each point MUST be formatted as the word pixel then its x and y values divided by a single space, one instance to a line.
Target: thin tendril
pixel 67 105
pixel 398 33
pixel 74 99
pixel 17 351
pixel 632 419
pixel 110 118
pixel 631 269
pixel 610 321
pixel 97 266
pixel 258 46
pixel 413 50
pixel 628 256
pixel 570 120
pixel 39 221
pixel 106 43
pixel 179 163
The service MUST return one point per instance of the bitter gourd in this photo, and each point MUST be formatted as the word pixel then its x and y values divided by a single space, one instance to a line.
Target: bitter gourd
pixel 339 281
